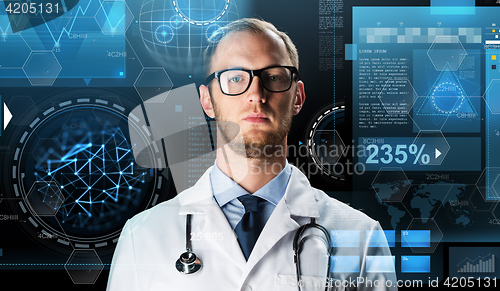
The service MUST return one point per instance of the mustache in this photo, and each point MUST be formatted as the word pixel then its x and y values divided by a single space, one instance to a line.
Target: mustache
pixel 260 109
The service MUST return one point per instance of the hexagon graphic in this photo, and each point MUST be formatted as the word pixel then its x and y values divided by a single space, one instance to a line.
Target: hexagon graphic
pixel 431 147
pixel 457 204
pixel 492 96
pixel 23 110
pixel 397 96
pixel 17 53
pixel 45 198
pixel 496 211
pixel 114 17
pixel 84 266
pixel 488 184
pixel 478 203
pixel 330 149
pixel 446 51
pixel 153 82
pixel 391 184
pixel 421 237
pixel 42 68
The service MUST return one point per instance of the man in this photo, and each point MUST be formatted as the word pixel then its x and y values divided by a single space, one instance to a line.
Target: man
pixel 245 210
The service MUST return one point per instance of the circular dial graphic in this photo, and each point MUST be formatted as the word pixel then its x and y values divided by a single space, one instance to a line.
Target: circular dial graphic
pixel 75 170
pixel 201 12
pixel 447 97
pixel 324 142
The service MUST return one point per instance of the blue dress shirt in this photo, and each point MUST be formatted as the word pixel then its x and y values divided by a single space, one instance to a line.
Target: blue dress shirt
pixel 226 192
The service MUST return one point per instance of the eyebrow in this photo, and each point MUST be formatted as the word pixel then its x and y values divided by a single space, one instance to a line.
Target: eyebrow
pixel 240 67
pixel 234 67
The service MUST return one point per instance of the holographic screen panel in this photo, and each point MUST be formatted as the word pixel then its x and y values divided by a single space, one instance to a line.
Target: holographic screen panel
pixel 178 134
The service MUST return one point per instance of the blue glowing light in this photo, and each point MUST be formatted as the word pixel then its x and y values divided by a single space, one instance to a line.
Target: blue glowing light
pixel 92 175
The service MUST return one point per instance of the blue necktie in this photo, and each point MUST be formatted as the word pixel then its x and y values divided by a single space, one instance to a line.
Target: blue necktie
pixel 250 225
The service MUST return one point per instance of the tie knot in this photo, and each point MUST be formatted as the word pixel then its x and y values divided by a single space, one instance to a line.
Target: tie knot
pixel 250 202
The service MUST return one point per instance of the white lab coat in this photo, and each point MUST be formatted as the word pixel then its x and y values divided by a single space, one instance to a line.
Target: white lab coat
pixel 151 242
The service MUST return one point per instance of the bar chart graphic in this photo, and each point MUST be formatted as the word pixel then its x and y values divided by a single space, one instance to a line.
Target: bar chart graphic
pixel 473 261
pixel 484 264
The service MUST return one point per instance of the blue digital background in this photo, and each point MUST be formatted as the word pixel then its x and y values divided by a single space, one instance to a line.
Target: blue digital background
pixel 144 47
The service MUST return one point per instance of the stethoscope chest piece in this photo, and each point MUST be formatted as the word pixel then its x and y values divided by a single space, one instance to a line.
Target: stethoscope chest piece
pixel 188 263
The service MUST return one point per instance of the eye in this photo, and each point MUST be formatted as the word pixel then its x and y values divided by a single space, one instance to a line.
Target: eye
pixel 235 79
pixel 275 78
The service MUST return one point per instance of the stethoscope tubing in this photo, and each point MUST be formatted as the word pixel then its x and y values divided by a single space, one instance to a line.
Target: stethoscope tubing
pixel 189 263
pixel 298 243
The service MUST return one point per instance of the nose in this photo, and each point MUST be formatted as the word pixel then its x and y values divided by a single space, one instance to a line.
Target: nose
pixel 256 92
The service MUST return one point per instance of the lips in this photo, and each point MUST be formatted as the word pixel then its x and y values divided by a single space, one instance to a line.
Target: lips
pixel 256 118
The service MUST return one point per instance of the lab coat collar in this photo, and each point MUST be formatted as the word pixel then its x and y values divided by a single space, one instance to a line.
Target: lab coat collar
pixel 195 199
pixel 299 198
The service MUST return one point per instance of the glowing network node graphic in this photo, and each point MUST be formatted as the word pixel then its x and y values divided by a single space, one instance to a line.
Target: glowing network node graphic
pixel 45 198
pixel 164 34
pixel 176 21
pixel 98 181
pixel 75 170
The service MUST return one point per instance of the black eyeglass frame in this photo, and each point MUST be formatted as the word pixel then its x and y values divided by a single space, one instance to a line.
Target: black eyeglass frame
pixel 216 75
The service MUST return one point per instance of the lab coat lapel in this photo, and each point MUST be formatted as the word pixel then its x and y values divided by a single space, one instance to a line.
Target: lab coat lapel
pixel 209 218
pixel 299 200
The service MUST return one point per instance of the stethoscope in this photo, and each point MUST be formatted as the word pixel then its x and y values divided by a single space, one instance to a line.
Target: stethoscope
pixel 189 263
pixel 298 244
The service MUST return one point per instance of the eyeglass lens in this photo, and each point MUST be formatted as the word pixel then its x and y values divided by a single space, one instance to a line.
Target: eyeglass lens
pixel 237 81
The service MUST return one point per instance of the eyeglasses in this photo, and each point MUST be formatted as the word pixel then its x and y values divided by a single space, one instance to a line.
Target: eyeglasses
pixel 236 81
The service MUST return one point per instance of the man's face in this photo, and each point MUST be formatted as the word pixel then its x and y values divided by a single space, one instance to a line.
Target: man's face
pixel 264 118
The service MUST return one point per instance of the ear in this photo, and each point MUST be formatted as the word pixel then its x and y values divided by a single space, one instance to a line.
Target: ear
pixel 300 98
pixel 206 103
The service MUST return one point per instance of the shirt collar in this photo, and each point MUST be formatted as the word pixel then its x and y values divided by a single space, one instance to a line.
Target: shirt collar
pixel 225 189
